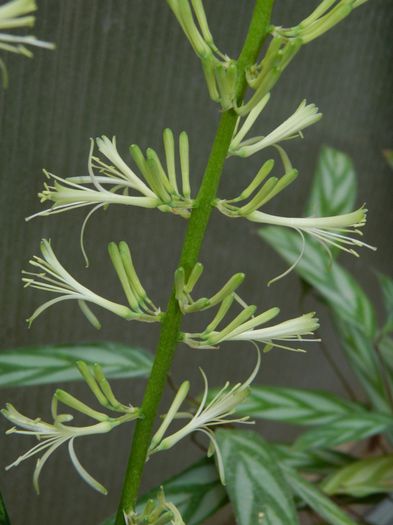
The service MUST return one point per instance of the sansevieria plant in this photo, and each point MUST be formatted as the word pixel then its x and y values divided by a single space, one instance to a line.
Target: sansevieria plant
pixel 243 462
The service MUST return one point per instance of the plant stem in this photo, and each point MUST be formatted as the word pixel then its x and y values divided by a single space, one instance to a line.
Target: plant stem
pixel 193 240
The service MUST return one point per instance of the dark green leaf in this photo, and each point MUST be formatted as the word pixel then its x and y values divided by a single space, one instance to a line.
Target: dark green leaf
pixel 294 405
pixel 36 365
pixel 314 498
pixel 334 284
pixel 4 519
pixel 386 349
pixel 349 428
pixel 386 284
pixel 362 478
pixel 255 484
pixel 197 493
pixel 334 187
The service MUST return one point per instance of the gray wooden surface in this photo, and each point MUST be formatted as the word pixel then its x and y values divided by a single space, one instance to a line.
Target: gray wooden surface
pixel 124 68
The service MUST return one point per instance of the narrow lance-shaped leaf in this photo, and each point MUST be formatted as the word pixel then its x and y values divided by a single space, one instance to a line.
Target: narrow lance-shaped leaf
pixel 197 493
pixel 295 405
pixel 312 460
pixel 255 484
pixel 363 358
pixel 352 311
pixel 349 428
pixel 333 190
pixel 4 519
pixel 314 498
pixel 386 284
pixel 362 478
pixel 36 365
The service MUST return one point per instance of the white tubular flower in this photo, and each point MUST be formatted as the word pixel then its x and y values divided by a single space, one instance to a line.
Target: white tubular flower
pixel 209 415
pixel 337 231
pixel 52 435
pixel 111 180
pixel 54 278
pixel 326 15
pixel 244 327
pixel 291 331
pixel 305 115
pixel 16 14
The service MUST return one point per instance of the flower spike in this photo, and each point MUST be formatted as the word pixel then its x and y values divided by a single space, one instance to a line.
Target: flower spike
pixel 209 415
pixel 16 14
pixel 54 278
pixel 52 435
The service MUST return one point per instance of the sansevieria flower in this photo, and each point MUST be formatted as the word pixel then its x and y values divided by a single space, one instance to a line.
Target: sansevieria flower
pixel 51 436
pixel 210 414
pixel 304 116
pixel 325 16
pixel 54 278
pixel 245 327
pixel 111 181
pixel 16 14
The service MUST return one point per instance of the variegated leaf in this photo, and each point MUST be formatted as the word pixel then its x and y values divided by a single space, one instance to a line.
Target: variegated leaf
pixel 312 460
pixel 363 358
pixel 254 481
pixel 35 365
pixel 368 476
pixel 334 284
pixel 334 186
pixel 352 311
pixel 314 498
pixel 295 405
pixel 349 428
pixel 197 493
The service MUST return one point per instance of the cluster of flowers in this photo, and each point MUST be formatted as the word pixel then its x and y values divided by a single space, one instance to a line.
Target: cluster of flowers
pixel 220 71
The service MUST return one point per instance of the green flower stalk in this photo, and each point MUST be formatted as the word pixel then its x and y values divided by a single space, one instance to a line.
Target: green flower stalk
pixel 52 435
pixel 16 14
pixel 54 278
